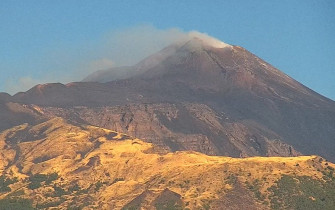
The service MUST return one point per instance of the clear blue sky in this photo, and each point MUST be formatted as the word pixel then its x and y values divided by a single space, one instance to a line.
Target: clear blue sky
pixel 45 39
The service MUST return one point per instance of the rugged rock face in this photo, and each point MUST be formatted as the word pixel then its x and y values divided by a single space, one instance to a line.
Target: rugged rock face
pixel 243 105
pixel 182 127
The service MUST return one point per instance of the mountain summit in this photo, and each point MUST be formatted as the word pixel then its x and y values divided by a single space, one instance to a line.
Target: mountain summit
pixel 192 42
pixel 199 94
pixel 196 38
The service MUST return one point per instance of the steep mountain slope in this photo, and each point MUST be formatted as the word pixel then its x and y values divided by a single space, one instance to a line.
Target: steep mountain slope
pixel 251 103
pixel 64 165
pixel 12 114
pixel 124 72
pixel 108 75
pixel 189 126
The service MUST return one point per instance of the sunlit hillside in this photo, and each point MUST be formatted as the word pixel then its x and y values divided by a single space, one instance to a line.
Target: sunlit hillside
pixel 61 165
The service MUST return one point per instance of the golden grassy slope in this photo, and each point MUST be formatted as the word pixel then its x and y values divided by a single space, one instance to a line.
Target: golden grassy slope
pixel 107 170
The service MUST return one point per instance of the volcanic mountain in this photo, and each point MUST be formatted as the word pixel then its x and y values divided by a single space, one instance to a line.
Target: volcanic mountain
pixel 202 95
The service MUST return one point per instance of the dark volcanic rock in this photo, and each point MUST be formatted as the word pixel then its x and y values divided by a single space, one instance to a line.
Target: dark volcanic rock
pixel 13 114
pixel 4 97
pixel 183 127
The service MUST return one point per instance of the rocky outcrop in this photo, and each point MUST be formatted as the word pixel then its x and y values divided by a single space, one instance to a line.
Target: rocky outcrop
pixel 182 127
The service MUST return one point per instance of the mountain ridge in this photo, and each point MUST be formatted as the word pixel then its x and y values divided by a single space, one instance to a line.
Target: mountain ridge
pixel 90 167
pixel 243 93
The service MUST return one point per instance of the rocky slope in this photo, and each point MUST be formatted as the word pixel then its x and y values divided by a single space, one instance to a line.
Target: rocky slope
pixel 175 127
pixel 63 165
pixel 12 114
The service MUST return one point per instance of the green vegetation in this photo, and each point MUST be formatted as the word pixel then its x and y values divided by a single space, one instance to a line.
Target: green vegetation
pixel 132 208
pixel 255 188
pixel 328 173
pixel 184 184
pixel 77 205
pixel 117 180
pixel 51 177
pixel 75 208
pixel 170 205
pixel 302 192
pixel 5 182
pixel 16 193
pixel 231 179
pixel 37 180
pixel 99 184
pixel 50 204
pixel 206 206
pixel 16 204
pixel 58 191
pixel 74 188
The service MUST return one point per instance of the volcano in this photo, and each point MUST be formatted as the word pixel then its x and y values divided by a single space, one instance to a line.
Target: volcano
pixel 198 94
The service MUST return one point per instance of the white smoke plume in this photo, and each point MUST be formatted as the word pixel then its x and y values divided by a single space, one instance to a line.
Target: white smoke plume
pixel 118 48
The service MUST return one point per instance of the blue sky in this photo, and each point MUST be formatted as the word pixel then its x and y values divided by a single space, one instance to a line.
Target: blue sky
pixel 49 41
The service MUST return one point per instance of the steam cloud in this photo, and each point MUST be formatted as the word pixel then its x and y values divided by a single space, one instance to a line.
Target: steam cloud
pixel 117 48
